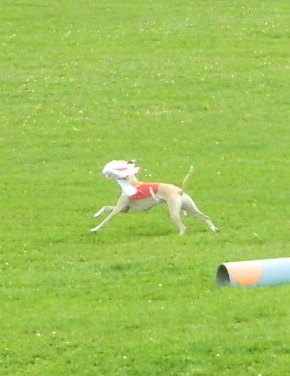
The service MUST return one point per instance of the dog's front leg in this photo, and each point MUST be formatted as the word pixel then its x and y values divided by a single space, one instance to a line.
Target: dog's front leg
pixel 104 209
pixel 121 206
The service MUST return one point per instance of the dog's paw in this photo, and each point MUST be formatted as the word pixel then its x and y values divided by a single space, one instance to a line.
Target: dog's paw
pixel 95 229
pixel 182 231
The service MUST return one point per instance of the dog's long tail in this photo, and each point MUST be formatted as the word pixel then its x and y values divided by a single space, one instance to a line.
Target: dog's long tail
pixel 185 180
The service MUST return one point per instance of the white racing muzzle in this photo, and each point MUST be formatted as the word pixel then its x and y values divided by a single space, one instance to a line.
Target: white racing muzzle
pixel 120 169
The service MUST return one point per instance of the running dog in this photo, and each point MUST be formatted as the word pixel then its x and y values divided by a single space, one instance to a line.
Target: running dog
pixel 144 196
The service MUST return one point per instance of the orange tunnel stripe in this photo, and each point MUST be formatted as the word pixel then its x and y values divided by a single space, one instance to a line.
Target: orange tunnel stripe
pixel 245 273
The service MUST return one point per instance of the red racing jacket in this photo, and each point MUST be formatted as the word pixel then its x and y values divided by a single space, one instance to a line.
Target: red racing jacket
pixel 145 190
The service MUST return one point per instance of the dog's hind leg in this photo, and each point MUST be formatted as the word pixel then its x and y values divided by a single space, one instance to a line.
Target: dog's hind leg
pixel 174 205
pixel 189 206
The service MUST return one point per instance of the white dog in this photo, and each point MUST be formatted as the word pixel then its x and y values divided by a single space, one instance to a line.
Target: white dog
pixel 143 196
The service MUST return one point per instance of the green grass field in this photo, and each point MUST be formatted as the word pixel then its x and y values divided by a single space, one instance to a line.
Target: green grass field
pixel 172 84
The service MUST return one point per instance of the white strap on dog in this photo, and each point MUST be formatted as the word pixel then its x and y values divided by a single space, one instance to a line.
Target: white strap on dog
pixel 153 194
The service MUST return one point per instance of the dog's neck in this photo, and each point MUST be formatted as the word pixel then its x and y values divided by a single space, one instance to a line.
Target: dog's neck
pixel 128 185
pixel 132 180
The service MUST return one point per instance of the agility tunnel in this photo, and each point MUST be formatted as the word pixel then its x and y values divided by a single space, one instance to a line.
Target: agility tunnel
pixel 254 273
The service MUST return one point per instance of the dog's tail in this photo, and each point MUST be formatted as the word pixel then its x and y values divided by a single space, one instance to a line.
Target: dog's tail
pixel 183 185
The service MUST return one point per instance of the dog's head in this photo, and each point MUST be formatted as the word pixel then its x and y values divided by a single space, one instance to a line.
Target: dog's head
pixel 120 169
